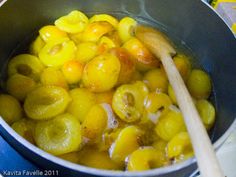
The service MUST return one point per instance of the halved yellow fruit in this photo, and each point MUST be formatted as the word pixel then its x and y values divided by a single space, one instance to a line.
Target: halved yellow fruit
pixel 55 53
pixel 74 22
pixel 46 102
pixel 60 135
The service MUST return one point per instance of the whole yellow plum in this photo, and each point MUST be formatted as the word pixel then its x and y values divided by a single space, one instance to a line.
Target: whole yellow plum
pixel 101 73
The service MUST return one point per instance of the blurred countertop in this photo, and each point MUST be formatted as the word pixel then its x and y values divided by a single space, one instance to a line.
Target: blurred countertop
pixel 227 155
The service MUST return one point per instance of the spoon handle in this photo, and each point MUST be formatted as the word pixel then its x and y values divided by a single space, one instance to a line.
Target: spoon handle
pixel 204 152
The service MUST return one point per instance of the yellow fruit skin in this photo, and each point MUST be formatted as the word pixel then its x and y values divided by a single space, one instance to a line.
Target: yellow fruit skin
pixel 114 36
pixel 25 128
pixel 127 141
pixel 155 101
pixel 92 93
pixel 156 80
pixel 169 125
pixel 128 101
pixel 207 112
pixel 86 51
pixel 127 66
pixel 97 159
pixel 74 22
pixel 73 70
pixel 104 17
pixel 59 135
pixel 178 144
pixel 172 94
pixel 160 145
pixel 108 137
pixel 94 123
pixel 143 58
pixel 53 77
pixel 104 44
pixel 36 46
pixel 55 53
pixel 77 38
pixel 145 158
pixel 104 97
pixel 82 101
pixel 183 65
pixel 125 27
pixel 25 64
pixel 50 33
pixel 156 104
pixel 46 102
pixel 19 86
pixel 10 109
pixel 94 31
pixel 199 84
pixel 101 73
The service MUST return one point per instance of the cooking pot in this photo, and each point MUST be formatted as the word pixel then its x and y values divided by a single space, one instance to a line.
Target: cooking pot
pixel 188 22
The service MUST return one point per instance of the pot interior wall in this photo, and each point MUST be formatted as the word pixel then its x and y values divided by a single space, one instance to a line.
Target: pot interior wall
pixel 194 23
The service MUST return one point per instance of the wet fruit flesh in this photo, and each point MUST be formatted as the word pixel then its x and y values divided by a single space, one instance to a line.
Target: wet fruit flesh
pixel 60 135
pixel 95 95
pixel 46 102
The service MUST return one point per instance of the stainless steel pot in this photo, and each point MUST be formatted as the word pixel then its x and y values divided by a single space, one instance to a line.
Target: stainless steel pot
pixel 194 22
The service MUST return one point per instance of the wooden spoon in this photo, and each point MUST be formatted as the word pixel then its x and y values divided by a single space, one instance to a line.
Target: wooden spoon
pixel 160 46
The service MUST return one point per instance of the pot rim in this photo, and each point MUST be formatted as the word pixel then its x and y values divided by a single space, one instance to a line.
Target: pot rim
pixel 101 172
